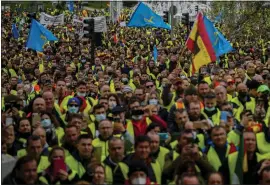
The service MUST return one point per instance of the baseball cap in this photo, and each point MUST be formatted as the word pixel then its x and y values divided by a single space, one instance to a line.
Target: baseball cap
pixel 263 88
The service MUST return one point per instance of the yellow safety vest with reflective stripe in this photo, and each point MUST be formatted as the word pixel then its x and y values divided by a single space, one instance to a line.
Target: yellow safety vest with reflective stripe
pixel 59 131
pixel 75 165
pixel 262 144
pixel 250 105
pixel 161 156
pixel 215 118
pixel 168 107
pixel 109 172
pixel 214 160
pixel 103 146
pixel 43 164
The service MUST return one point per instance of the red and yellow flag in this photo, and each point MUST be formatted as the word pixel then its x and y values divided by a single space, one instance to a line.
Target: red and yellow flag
pixel 200 44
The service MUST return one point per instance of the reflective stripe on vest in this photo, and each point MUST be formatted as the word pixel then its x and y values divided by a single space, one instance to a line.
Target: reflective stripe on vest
pixel 263 145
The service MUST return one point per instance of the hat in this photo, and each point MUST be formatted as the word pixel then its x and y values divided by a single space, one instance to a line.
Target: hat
pixel 263 88
pixel 75 99
pixel 118 109
pixel 191 91
pixel 136 166
pixel 253 84
pixel 127 88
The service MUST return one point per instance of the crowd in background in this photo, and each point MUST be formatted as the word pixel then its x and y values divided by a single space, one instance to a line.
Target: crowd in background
pixel 123 117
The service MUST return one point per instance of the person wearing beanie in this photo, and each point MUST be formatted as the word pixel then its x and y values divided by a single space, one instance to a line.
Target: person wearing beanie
pixel 253 86
pixel 138 174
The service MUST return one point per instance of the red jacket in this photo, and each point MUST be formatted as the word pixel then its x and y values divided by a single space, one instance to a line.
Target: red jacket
pixel 141 126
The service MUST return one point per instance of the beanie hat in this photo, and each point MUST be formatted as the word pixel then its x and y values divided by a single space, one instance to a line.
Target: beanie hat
pixel 136 166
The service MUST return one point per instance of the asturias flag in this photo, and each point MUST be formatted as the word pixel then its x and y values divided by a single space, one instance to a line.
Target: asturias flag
pixel 143 16
pixel 206 42
pixel 155 53
pixel 38 36
pixel 15 31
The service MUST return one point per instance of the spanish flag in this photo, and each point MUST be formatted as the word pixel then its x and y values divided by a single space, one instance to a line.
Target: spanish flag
pixel 206 42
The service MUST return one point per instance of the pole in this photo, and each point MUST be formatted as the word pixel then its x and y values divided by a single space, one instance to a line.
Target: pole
pixel 171 19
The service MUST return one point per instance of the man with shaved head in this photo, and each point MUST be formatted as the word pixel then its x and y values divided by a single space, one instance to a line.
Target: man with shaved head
pixel 221 95
pixel 243 101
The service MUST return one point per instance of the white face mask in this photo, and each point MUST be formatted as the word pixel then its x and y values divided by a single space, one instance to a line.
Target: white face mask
pixel 81 94
pixel 139 180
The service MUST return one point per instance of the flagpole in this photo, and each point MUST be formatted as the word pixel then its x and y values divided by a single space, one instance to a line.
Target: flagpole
pixel 181 54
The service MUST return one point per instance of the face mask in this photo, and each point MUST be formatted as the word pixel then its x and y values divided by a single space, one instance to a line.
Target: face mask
pixel 83 60
pixel 81 94
pixel 153 102
pixel 100 117
pixel 73 109
pixel 46 123
pixel 242 94
pixel 136 117
pixel 112 104
pixel 139 180
pixel 210 109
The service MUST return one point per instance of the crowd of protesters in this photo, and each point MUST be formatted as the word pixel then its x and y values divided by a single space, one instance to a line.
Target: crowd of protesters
pixel 123 117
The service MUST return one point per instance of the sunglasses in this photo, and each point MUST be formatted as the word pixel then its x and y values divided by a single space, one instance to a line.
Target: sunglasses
pixel 74 105
pixel 149 86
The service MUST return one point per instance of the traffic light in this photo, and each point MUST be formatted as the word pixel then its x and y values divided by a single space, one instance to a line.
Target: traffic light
pixel 166 16
pixel 89 28
pixel 185 19
pixel 197 8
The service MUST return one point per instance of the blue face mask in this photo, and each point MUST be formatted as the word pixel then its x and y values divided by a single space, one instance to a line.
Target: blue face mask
pixel 83 60
pixel 73 109
pixel 210 109
pixel 100 117
pixel 153 102
pixel 46 123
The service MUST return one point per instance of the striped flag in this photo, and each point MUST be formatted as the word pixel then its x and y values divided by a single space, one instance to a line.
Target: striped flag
pixel 206 42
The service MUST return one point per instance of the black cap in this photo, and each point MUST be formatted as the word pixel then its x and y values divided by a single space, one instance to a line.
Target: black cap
pixel 253 84
pixel 118 109
pixel 136 166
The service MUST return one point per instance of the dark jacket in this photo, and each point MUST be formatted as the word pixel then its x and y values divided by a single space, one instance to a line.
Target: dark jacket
pixel 170 172
pixel 10 179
